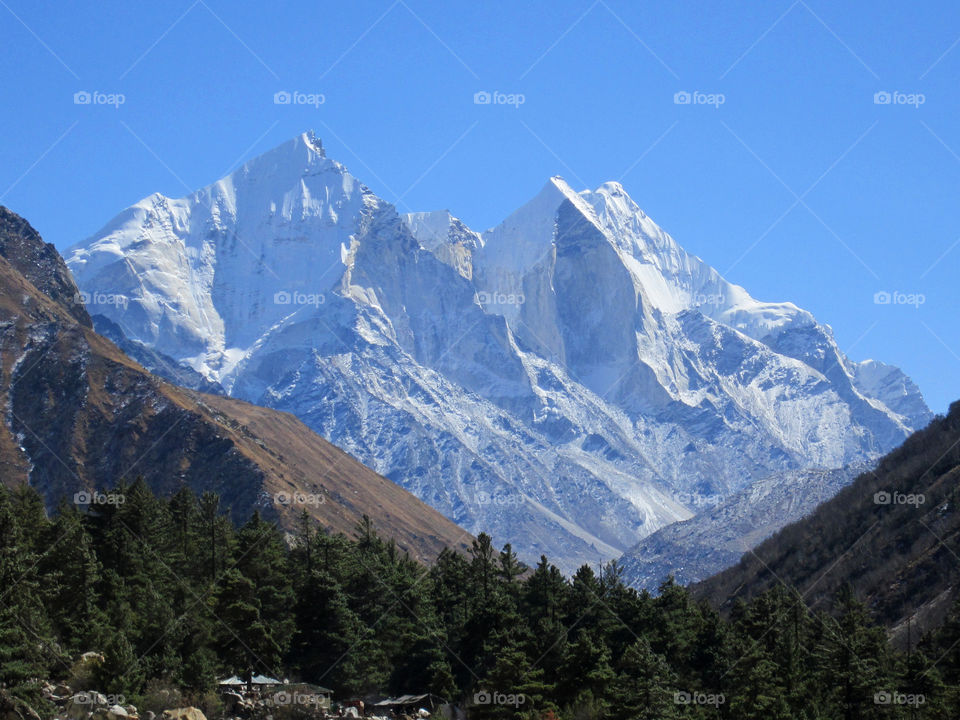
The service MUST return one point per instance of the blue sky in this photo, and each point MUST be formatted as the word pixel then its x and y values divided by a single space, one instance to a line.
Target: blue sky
pixel 799 185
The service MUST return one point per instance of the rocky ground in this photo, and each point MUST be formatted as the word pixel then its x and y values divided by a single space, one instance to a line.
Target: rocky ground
pixel 86 705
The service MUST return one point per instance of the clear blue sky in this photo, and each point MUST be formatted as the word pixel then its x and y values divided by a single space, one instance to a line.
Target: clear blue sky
pixel 799 186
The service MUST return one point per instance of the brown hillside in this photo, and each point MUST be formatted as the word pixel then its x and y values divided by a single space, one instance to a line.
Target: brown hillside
pixel 82 415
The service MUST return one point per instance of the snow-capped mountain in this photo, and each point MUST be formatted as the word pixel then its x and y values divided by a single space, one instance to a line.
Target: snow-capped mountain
pixel 560 381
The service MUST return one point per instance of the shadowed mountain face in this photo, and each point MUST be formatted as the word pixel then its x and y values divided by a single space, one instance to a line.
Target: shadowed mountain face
pixel 561 381
pixel 892 535
pixel 81 415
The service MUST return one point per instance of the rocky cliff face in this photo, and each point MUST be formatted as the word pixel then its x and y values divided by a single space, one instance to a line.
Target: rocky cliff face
pixel 81 415
pixel 556 380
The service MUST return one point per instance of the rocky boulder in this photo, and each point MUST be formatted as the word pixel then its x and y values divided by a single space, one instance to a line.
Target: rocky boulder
pixel 84 704
pixel 184 713
pixel 84 670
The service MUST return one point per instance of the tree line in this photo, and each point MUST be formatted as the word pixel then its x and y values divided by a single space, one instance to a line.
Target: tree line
pixel 171 592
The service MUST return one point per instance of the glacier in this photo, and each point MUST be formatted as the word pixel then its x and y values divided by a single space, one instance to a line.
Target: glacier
pixel 563 381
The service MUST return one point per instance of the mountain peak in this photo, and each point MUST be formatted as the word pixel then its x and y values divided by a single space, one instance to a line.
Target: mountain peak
pixel 307 142
pixel 612 187
pixel 303 154
pixel 524 238
pixel 559 189
pixel 310 138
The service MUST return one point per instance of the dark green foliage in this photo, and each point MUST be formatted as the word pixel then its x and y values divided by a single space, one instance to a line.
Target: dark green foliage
pixel 174 596
pixel 644 686
pixel 25 633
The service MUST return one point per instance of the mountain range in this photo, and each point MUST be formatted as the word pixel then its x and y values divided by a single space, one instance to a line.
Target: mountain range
pixel 570 381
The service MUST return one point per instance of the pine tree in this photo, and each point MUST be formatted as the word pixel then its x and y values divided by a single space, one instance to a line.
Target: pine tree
pixel 441 681
pixel 170 592
pixel 185 550
pixel 484 569
pixel 756 691
pixel 514 688
pixel 584 601
pixel 510 571
pixel 243 640
pixel 944 643
pixel 72 575
pixel 332 646
pixel 851 658
pixel 545 593
pixel 262 559
pixel 449 580
pixel 214 537
pixel 26 650
pixel 675 635
pixel 644 687
pixel 490 609
pixel 121 672
pixel 28 507
pixel 770 654
pixel 920 679
pixel 153 586
pixel 585 674
pixel 415 640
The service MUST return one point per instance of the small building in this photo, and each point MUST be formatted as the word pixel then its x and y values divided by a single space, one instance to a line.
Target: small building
pixel 410 704
pixel 238 692
pixel 257 681
pixel 264 682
